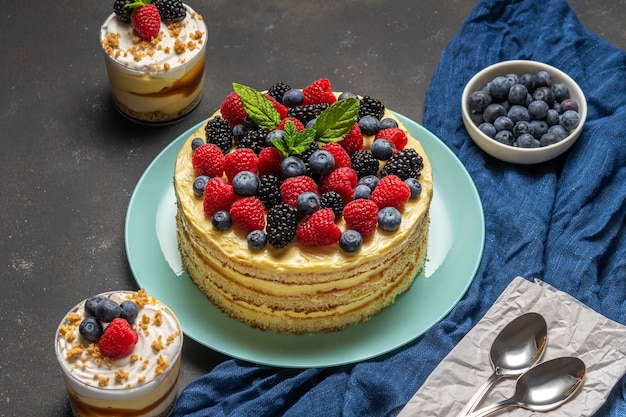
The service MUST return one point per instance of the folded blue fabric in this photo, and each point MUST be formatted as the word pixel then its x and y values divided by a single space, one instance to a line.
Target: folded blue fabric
pixel 562 221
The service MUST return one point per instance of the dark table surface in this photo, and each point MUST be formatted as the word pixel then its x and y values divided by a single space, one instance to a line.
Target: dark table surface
pixel 69 162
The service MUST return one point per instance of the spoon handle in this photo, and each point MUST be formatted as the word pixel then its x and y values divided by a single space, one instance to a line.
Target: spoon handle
pixel 493 408
pixel 478 396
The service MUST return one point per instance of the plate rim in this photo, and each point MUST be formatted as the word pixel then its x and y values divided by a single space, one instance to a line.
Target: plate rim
pixel 432 145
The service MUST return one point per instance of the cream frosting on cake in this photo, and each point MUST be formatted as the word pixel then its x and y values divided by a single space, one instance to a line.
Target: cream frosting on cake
pixel 297 288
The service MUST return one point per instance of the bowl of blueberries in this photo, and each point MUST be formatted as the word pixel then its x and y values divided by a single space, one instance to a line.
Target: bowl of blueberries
pixel 523 112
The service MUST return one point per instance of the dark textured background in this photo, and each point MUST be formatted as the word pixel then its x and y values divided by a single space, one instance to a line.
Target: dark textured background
pixel 69 163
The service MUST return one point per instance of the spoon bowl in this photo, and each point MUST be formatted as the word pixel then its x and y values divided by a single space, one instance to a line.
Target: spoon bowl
pixel 544 387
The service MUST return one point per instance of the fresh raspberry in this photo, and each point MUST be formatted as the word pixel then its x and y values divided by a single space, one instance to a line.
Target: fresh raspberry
pixel 292 187
pixel 391 191
pixel 242 159
pixel 342 159
pixel 319 92
pixel 342 181
pixel 248 213
pixel 395 136
pixel 232 110
pixel 118 339
pixel 208 160
pixel 218 195
pixel 280 108
pixel 269 161
pixel 319 229
pixel 298 123
pixel 361 215
pixel 145 19
pixel 353 141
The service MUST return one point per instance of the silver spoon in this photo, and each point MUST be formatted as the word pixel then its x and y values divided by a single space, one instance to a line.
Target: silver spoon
pixel 544 387
pixel 515 350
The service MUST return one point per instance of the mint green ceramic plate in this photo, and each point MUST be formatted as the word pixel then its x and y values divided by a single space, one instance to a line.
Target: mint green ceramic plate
pixel 456 244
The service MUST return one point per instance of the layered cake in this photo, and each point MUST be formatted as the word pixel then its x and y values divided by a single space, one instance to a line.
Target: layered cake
pixel 156 72
pixel 302 210
pixel 120 354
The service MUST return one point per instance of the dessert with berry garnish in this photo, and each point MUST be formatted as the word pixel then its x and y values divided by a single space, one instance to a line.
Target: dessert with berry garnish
pixel 154 54
pixel 302 210
pixel 120 354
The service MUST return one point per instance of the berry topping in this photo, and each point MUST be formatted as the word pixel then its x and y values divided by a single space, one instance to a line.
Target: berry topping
pixel 414 186
pixel 405 164
pixel 282 223
pixel 232 110
pixel 389 219
pixel 171 10
pixel 269 191
pixel 333 201
pixel 278 90
pixel 350 240
pixel 292 187
pixel 293 98
pixel 257 240
pixel 219 132
pixel 199 184
pixel 364 163
pixel 218 195
pixel 369 125
pixel 319 92
pixel 123 12
pixel 342 159
pixel 292 166
pixel 92 302
pixel 248 213
pixel 371 107
pixel 221 220
pixel 361 215
pixel 342 181
pixel 129 311
pixel 108 310
pixel 242 159
pixel 308 203
pixel 246 184
pixel 391 191
pixel 353 141
pixel 91 329
pixel 319 229
pixel 118 339
pixel 395 136
pixel 321 162
pixel 145 18
pixel 208 160
pixel 382 149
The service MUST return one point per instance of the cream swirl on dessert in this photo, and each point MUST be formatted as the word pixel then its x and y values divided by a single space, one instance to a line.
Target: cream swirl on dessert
pixel 153 358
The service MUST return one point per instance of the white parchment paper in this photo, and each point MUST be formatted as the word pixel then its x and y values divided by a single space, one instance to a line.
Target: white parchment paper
pixel 573 330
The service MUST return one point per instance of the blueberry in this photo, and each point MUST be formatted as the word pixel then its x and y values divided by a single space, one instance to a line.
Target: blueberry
pixel 310 123
pixel 505 136
pixel 499 88
pixel 350 240
pixel 250 124
pixel 246 184
pixel 221 220
pixel 479 100
pixel 518 113
pixel 370 180
pixel 199 184
pixel 362 191
pixel 488 129
pixel 130 311
pixel 561 92
pixel 414 186
pixel 196 143
pixel 321 162
pixel 544 79
pixel 527 140
pixel 91 329
pixel 293 97
pixel 107 310
pixel 570 120
pixel 292 166
pixel 568 104
pixel 308 202
pixel 538 109
pixel 389 219
pixel 387 123
pixel 503 123
pixel 239 132
pixel 92 302
pixel 382 149
pixel 277 134
pixel 538 128
pixel 521 128
pixel 257 240
pixel 518 94
pixel 549 139
pixel 553 117
pixel 529 81
pixel 347 94
pixel 514 78
pixel 369 125
pixel 544 93
pixel 559 131
pixel 493 111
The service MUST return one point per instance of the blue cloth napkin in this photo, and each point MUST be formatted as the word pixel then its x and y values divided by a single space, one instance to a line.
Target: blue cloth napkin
pixel 562 222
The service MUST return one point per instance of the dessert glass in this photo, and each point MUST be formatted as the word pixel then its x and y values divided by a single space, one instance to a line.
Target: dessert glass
pixel 141 384
pixel 158 81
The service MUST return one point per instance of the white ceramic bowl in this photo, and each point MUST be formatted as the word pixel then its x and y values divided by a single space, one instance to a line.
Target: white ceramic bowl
pixel 510 153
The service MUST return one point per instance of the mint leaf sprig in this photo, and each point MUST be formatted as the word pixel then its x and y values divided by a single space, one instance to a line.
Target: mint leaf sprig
pixel 258 107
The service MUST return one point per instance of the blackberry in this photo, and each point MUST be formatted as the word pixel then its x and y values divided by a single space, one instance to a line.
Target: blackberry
pixel 282 222
pixel 255 140
pixel 170 10
pixel 371 107
pixel 364 163
pixel 305 157
pixel 332 200
pixel 123 12
pixel 269 191
pixel 277 90
pixel 405 164
pixel 219 133
pixel 306 113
